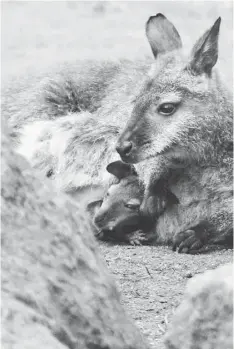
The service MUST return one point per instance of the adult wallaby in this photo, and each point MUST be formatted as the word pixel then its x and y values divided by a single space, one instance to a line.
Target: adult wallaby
pixel 182 122
pixel 67 122
pixel 82 112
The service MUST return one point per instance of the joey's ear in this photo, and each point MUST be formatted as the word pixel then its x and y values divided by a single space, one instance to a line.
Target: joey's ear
pixel 93 206
pixel 121 170
pixel 162 35
pixel 205 51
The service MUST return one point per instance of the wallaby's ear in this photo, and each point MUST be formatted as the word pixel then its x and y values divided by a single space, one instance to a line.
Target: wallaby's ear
pixel 205 51
pixel 162 35
pixel 121 170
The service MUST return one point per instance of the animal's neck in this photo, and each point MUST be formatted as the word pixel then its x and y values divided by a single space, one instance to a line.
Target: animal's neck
pixel 213 142
pixel 223 111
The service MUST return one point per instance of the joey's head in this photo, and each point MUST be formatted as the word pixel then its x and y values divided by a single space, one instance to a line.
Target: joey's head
pixel 118 212
pixel 175 110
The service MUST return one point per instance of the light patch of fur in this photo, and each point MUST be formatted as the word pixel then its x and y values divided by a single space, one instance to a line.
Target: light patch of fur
pixel 33 137
pixel 49 145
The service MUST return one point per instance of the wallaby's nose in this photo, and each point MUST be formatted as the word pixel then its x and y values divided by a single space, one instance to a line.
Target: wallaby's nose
pixel 124 149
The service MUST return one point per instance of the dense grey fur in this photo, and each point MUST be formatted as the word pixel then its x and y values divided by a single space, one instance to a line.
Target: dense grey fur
pixel 76 147
pixel 191 148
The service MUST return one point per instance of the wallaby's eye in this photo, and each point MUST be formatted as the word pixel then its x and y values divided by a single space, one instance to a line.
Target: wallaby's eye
pixel 167 108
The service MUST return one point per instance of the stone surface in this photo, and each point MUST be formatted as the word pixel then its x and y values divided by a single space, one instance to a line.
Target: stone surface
pixel 56 289
pixel 204 320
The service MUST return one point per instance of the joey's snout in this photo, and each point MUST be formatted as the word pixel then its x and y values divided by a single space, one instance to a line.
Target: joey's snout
pixel 99 220
pixel 103 220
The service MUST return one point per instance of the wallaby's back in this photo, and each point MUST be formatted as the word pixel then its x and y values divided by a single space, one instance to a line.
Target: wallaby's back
pixel 82 113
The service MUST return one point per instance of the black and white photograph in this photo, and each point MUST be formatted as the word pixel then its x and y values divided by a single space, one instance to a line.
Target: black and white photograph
pixel 117 174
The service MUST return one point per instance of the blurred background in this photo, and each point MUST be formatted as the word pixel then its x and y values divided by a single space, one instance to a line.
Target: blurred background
pixel 39 34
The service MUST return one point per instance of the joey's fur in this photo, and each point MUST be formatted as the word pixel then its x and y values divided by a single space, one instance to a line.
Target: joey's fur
pixel 191 147
pixel 74 120
pixel 117 215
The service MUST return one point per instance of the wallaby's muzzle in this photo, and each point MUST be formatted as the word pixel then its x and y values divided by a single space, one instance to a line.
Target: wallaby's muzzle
pixel 128 152
pixel 124 148
pixel 132 137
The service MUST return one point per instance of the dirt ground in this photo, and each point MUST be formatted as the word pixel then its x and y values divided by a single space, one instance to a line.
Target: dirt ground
pixel 152 281
pixel 37 35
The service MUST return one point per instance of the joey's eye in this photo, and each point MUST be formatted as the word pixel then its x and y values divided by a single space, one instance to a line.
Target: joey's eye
pixel 132 206
pixel 167 109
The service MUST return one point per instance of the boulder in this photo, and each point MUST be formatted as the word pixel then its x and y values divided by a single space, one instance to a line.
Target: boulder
pixel 56 289
pixel 204 320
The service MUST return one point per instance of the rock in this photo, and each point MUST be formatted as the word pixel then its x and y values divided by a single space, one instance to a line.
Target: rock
pixel 204 320
pixel 56 289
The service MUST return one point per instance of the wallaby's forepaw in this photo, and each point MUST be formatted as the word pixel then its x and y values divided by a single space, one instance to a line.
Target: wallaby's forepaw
pixel 157 200
pixel 187 242
pixel 153 206
pixel 137 238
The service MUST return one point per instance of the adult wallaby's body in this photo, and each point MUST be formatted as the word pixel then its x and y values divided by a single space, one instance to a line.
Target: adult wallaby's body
pixel 89 108
pixel 183 121
pixel 73 120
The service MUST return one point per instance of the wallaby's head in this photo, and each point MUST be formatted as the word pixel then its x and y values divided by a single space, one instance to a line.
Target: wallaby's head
pixel 118 213
pixel 176 111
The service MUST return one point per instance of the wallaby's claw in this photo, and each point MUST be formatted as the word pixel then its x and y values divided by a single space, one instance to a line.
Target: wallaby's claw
pixel 187 242
pixel 135 242
pixel 136 238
